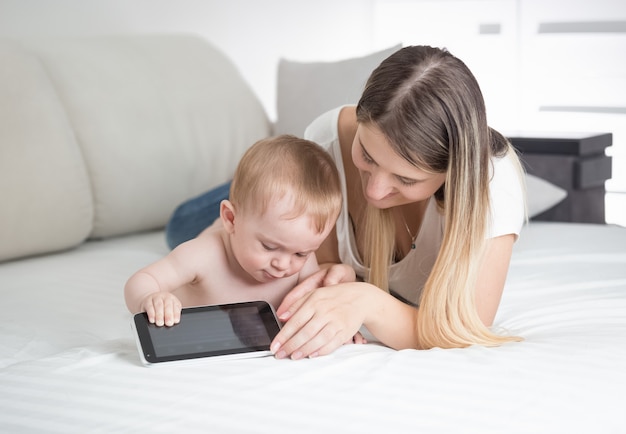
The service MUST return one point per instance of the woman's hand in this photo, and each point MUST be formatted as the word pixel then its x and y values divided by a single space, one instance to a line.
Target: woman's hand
pixel 318 321
pixel 358 339
pixel 331 275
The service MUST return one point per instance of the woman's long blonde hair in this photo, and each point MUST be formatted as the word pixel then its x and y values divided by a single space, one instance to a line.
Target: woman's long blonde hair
pixel 430 107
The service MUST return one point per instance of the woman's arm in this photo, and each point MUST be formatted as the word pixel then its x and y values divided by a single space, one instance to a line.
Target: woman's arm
pixel 318 321
pixel 321 320
pixel 492 276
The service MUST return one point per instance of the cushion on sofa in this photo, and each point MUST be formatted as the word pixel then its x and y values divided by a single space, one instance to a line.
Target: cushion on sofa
pixel 106 135
pixel 305 90
pixel 159 119
pixel 542 195
pixel 46 193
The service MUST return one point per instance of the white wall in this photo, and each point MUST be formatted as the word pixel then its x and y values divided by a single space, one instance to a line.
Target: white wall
pixel 521 71
pixel 255 34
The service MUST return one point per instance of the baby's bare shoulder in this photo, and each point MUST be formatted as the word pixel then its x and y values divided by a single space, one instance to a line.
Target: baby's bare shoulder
pixel 206 247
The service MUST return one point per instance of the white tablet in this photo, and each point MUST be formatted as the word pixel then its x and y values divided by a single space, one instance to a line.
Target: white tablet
pixel 236 330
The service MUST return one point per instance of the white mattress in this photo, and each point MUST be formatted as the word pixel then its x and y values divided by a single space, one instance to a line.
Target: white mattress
pixel 68 361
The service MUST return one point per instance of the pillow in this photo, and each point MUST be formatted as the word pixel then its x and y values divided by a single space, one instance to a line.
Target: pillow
pixel 153 127
pixel 47 200
pixel 542 195
pixel 305 90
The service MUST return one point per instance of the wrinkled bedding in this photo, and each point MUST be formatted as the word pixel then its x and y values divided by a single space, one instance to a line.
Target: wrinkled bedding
pixel 68 360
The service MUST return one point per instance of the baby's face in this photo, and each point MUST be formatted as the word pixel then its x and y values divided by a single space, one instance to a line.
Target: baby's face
pixel 270 246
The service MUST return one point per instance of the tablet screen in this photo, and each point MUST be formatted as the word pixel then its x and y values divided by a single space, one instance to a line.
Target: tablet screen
pixel 207 331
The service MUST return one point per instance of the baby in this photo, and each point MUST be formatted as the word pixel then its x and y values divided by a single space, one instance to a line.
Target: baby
pixel 284 200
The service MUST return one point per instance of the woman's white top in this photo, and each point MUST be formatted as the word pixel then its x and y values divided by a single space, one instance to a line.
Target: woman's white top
pixel 408 276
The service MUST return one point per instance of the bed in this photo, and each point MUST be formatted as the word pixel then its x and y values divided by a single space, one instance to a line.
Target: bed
pixel 76 368
pixel 87 126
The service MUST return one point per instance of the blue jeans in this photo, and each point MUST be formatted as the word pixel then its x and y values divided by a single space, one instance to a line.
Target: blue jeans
pixel 193 216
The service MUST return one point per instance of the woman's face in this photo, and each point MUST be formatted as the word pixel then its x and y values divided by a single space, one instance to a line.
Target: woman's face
pixel 388 179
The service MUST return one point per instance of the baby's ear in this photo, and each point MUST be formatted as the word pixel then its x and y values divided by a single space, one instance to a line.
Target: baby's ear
pixel 227 215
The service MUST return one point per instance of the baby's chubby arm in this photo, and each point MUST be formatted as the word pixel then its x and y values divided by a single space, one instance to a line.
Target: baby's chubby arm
pixel 151 288
pixel 143 294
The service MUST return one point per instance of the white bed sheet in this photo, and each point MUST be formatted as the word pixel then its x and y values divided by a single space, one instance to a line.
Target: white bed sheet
pixel 68 361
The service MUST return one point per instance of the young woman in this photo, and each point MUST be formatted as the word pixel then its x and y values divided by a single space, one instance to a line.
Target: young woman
pixel 433 203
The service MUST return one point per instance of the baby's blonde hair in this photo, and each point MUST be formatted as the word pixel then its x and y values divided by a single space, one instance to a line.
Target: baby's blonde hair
pixel 286 164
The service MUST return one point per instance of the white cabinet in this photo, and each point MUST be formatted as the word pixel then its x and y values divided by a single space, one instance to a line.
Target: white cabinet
pixel 543 65
pixel 482 33
pixel 573 69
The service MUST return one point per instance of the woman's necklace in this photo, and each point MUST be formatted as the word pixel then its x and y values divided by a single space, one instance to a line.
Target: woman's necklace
pixel 412 238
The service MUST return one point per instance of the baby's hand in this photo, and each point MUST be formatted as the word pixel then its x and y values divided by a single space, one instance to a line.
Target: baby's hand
pixel 338 273
pixel 357 339
pixel 162 308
